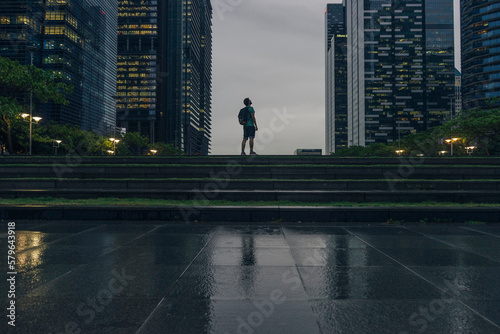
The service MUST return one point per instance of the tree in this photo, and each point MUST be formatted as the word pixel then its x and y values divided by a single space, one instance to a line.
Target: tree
pixel 10 109
pixel 132 144
pixel 426 143
pixel 479 127
pixel 16 81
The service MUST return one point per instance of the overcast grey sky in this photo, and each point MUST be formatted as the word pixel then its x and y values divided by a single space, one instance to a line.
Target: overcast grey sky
pixel 273 52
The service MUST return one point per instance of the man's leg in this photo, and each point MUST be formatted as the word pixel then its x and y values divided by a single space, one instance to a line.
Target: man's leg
pixel 244 143
pixel 251 144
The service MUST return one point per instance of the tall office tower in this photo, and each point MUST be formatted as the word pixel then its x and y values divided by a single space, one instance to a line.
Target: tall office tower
pixel 480 21
pixel 76 39
pixel 336 78
pixel 185 56
pixel 21 24
pixel 165 71
pixel 401 73
pixel 138 71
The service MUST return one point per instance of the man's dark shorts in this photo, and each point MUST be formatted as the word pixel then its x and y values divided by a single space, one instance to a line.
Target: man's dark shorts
pixel 248 132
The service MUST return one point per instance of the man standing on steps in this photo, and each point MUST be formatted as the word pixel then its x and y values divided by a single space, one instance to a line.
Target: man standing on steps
pixel 249 128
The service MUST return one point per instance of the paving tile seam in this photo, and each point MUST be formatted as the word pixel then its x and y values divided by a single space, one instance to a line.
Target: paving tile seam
pixel 316 318
pixel 483 232
pixel 468 250
pixel 83 264
pixel 57 240
pixel 428 281
pixel 77 268
pixel 177 281
pixel 36 226
pixel 144 234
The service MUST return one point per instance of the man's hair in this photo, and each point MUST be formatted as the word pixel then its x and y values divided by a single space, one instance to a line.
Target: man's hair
pixel 246 101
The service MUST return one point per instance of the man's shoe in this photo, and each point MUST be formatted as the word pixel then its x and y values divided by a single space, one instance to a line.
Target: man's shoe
pixel 253 153
pixel 243 153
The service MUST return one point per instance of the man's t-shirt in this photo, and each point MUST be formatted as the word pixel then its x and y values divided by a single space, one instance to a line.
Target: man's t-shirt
pixel 250 121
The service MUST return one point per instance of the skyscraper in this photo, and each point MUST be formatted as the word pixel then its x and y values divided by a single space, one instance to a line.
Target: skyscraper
pixel 184 114
pixel 401 73
pixel 138 70
pixel 21 25
pixel 164 71
pixel 336 78
pixel 74 38
pixel 480 52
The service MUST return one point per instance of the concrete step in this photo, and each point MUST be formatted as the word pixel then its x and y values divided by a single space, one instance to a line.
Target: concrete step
pixel 253 172
pixel 245 214
pixel 228 184
pixel 75 159
pixel 457 196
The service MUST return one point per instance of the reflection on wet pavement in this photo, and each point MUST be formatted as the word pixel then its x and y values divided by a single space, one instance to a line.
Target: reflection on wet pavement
pixel 177 278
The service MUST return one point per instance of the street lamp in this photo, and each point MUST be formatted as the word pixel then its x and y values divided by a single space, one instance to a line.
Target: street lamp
pixel 451 141
pixel 30 120
pixel 154 151
pixel 115 141
pixel 31 49
pixel 56 145
pixel 399 152
pixel 470 149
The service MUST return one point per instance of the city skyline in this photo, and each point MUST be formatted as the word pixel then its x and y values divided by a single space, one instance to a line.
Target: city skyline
pixel 296 65
pixel 301 97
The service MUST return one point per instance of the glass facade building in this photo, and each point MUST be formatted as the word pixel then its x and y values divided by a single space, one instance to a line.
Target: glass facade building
pixel 185 58
pixel 74 38
pixel 138 72
pixel 21 25
pixel 164 71
pixel 480 21
pixel 336 78
pixel 401 74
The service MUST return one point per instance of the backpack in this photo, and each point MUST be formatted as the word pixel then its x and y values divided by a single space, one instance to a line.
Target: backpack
pixel 244 116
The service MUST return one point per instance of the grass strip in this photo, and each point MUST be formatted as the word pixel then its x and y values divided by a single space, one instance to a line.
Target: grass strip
pixel 138 202
pixel 235 179
pixel 250 166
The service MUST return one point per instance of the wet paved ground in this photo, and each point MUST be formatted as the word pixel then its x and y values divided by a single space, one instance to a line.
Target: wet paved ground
pixel 256 279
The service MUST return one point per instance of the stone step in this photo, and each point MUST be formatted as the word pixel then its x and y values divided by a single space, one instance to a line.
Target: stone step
pixel 228 184
pixel 74 160
pixel 457 196
pixel 257 215
pixel 254 172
